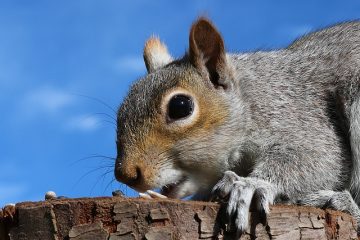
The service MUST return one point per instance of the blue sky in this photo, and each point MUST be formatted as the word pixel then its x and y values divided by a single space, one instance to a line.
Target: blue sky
pixel 61 60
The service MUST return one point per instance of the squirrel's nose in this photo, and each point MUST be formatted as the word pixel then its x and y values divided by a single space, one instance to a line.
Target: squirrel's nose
pixel 128 174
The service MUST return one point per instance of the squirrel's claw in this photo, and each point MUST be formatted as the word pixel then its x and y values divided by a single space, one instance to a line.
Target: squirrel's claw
pixel 240 193
pixel 223 188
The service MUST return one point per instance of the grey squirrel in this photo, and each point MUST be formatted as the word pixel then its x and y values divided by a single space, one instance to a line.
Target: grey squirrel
pixel 250 128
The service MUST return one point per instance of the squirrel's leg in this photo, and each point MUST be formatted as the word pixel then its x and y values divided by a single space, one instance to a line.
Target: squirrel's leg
pixel 281 172
pixel 240 191
pixel 342 201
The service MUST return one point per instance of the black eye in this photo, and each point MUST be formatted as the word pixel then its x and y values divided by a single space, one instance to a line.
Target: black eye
pixel 180 106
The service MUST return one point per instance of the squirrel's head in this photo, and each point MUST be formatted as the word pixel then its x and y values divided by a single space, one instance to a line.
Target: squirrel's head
pixel 174 127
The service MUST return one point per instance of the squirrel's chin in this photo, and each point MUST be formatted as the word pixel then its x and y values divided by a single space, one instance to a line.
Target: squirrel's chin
pixel 181 189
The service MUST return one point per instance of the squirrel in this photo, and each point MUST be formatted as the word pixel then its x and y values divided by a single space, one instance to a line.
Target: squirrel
pixel 253 128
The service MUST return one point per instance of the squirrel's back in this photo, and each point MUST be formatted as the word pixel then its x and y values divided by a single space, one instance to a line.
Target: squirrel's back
pixel 316 69
pixel 301 96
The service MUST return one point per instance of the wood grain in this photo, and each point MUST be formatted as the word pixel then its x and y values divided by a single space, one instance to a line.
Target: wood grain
pixel 133 218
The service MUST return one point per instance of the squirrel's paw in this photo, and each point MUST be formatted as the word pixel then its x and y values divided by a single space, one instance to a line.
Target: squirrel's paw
pixel 341 201
pixel 240 192
pixel 223 188
pixel 328 199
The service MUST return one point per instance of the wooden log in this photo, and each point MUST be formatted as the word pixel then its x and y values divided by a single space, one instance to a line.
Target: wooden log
pixel 115 218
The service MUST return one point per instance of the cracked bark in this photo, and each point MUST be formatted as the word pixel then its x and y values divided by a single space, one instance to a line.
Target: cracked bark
pixel 126 218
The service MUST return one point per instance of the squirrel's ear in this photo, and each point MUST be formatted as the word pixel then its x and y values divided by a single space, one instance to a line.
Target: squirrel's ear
pixel 207 52
pixel 155 54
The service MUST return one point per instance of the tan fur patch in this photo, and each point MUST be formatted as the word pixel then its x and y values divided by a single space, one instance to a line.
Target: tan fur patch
pixel 163 136
pixel 154 44
pixel 149 153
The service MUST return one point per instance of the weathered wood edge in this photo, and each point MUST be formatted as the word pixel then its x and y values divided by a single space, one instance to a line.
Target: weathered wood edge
pixel 135 218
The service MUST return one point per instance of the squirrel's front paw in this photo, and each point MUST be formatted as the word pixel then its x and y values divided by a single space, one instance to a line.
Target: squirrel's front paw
pixel 239 192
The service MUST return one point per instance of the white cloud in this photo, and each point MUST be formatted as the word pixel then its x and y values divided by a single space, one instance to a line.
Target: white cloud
pixel 83 123
pixel 58 105
pixel 130 64
pixel 46 100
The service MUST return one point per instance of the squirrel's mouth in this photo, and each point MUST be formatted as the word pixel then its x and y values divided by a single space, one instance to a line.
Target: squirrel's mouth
pixel 173 190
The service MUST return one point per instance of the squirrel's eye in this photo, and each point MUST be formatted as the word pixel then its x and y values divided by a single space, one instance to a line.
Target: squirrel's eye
pixel 180 106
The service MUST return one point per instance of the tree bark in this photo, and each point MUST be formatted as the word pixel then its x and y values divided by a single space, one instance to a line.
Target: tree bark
pixel 132 218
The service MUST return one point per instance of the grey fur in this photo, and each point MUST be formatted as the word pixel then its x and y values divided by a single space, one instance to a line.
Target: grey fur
pixel 341 201
pixel 241 191
pixel 293 127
